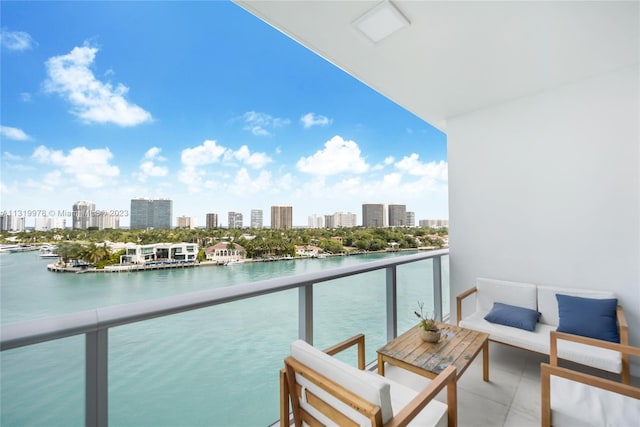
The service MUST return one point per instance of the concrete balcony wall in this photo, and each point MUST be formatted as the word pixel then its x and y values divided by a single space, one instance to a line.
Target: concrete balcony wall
pixel 546 189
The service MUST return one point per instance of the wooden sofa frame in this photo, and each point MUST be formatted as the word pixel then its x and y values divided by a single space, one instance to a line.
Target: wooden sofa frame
pixel 552 368
pixel 623 330
pixel 288 386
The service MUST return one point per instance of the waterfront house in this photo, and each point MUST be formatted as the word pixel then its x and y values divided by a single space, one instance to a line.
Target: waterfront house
pixel 308 250
pixel 140 254
pixel 224 252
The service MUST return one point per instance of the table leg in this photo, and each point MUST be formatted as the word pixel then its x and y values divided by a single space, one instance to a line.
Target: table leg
pixel 485 361
pixel 380 365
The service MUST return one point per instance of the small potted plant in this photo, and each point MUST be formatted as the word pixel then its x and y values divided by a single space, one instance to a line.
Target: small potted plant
pixel 429 331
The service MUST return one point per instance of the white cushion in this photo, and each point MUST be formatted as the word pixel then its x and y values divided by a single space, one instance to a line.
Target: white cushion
pixel 538 341
pixel 535 341
pixel 373 389
pixel 512 293
pixel 577 404
pixel 434 414
pixel 548 304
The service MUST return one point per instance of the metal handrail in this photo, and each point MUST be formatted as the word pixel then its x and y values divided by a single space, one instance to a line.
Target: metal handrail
pixel 96 323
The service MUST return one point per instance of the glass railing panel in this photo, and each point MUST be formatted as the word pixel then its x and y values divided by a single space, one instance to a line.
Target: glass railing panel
pixel 43 384
pixel 217 365
pixel 349 306
pixel 415 284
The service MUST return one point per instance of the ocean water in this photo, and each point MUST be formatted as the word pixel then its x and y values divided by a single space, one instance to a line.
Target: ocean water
pixel 211 367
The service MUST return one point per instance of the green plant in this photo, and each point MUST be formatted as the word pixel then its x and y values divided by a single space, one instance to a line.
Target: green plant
pixel 426 323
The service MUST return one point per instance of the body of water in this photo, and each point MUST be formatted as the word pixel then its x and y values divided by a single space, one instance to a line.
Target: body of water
pixel 211 367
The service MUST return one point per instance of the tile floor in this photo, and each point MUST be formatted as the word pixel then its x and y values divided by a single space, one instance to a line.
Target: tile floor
pixel 510 399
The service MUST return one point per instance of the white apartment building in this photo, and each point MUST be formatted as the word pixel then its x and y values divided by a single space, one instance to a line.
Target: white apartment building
pixel 186 222
pixel 315 221
pixel 256 218
pixel 434 223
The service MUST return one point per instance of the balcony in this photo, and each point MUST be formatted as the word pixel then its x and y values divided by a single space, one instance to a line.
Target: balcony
pixel 185 373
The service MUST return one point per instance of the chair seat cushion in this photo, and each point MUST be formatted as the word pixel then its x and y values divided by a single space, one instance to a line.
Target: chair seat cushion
pixel 578 404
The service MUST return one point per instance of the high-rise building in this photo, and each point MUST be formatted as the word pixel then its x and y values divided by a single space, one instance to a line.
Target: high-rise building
pixel 329 221
pixel 434 223
pixel 235 220
pixel 46 223
pixel 373 215
pixel 256 218
pixel 12 222
pixel 397 215
pixel 151 213
pixel 186 222
pixel 315 221
pixel 212 220
pixel 411 219
pixel 281 217
pixel 105 220
pixel 344 219
pixel 83 215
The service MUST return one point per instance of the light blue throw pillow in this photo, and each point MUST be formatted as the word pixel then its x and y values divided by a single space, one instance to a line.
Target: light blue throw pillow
pixel 511 315
pixel 588 317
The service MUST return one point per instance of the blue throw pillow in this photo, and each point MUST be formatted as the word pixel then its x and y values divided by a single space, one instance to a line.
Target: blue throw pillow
pixel 589 317
pixel 511 315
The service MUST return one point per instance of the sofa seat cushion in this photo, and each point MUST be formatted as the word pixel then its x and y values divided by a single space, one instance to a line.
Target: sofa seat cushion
pixel 578 404
pixel 538 341
pixel 434 414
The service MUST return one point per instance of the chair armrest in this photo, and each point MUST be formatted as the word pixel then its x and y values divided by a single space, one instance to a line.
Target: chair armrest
pixel 623 330
pixel 349 342
pixel 445 378
pixel 459 299
pixel 623 326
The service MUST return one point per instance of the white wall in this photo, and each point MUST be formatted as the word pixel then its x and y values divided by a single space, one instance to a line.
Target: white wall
pixel 545 189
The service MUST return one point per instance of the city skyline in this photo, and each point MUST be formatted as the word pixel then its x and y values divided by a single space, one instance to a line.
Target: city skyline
pixel 240 117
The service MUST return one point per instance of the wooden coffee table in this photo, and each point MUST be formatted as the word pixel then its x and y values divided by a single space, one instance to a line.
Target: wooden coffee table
pixel 457 346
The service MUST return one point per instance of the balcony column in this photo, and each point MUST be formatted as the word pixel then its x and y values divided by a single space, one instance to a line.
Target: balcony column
pixel 96 378
pixel 305 313
pixel 437 287
pixel 392 303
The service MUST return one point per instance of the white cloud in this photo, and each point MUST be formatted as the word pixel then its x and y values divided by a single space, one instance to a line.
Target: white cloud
pixel 13 133
pixel 88 168
pixel 196 158
pixel 255 160
pixel 9 156
pixel 92 100
pixel 153 153
pixel 16 40
pixel 312 119
pixel 413 166
pixel 259 123
pixel 338 156
pixel 25 97
pixel 149 168
pixel 207 153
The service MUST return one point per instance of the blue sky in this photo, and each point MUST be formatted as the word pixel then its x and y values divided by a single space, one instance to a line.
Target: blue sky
pixel 202 103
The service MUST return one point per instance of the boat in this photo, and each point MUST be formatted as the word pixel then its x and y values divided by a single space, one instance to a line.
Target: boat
pixel 48 251
pixel 234 261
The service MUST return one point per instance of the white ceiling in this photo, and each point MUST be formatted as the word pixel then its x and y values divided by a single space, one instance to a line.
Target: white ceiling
pixel 460 56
